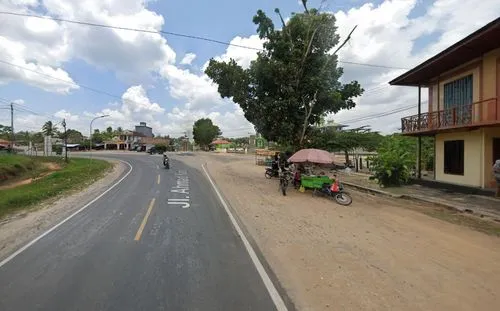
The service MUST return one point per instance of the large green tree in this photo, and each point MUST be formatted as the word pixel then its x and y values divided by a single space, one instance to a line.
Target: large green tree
pixel 5 132
pixel 204 132
pixel 239 142
pixel 346 141
pixel 362 137
pixel 294 81
pixel 73 136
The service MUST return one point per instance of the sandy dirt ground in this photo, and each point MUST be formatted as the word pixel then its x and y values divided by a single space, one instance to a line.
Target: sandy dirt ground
pixel 20 228
pixel 374 255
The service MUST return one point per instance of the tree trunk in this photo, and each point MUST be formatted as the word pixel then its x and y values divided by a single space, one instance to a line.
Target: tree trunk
pixel 306 119
pixel 346 153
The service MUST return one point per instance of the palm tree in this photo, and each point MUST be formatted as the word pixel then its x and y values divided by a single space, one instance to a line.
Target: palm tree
pixel 49 128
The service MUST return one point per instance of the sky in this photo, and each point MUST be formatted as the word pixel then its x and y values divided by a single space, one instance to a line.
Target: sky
pixel 53 70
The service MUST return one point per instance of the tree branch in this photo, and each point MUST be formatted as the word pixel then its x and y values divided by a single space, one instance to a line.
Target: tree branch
pixel 304 3
pixel 301 70
pixel 341 46
pixel 306 119
pixel 345 41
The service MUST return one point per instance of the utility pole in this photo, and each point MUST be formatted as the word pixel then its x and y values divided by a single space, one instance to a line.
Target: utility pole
pixel 12 139
pixel 186 141
pixel 65 141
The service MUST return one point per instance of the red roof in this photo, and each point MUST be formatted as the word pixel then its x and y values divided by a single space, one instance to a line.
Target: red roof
pixel 220 142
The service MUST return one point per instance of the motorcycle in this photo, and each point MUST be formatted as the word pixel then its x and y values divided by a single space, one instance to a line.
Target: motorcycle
pixel 335 192
pixel 271 172
pixel 166 162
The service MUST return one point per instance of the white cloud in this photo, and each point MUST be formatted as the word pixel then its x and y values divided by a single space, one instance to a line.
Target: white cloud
pixel 135 100
pixel 63 114
pixel 388 35
pixel 242 56
pixel 232 122
pixel 134 108
pixel 16 67
pixel 44 45
pixel 188 59
pixel 197 91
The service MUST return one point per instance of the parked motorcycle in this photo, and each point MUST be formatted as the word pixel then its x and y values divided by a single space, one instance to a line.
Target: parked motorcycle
pixel 272 172
pixel 335 192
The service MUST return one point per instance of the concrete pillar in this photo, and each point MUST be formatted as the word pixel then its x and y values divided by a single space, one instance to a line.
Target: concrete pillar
pixel 105 146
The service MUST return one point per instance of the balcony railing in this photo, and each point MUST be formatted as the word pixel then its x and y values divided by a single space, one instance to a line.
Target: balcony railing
pixel 485 112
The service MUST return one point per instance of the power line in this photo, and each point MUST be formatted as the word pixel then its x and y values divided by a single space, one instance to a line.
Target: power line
pixel 59 79
pixel 175 34
pixel 130 29
pixel 381 114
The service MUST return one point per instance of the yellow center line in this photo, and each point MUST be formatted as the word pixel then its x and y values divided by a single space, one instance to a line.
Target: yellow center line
pixel 145 220
pixel 158 181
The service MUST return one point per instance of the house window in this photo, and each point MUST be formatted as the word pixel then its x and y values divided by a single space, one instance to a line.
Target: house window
pixel 454 157
pixel 457 100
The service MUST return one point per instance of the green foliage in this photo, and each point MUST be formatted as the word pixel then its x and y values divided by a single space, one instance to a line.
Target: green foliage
pixel 427 153
pixel 160 148
pixel 23 138
pixel 37 138
pixel 98 137
pixel 346 141
pixel 294 82
pixel 204 132
pixel 73 136
pixel 394 161
pixel 5 132
pixel 74 175
pixel 239 142
pixel 57 149
pixel 15 166
pixel 49 128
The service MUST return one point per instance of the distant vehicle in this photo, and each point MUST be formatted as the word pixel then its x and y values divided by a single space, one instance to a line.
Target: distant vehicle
pixel 152 150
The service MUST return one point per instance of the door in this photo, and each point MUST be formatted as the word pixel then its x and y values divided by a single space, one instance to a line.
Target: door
pixel 496 149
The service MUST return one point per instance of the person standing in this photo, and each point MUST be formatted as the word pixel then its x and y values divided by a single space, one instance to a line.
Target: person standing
pixel 496 172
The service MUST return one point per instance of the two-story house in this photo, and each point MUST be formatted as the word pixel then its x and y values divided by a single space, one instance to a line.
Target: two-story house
pixel 463 114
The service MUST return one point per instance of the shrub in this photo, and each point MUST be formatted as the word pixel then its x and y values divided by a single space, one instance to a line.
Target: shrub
pixel 161 148
pixel 396 156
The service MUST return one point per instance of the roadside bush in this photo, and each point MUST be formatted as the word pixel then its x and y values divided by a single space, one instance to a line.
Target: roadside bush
pixel 161 148
pixel 394 161
pixel 57 149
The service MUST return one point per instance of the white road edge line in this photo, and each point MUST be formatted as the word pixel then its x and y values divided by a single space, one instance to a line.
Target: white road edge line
pixel 25 247
pixel 273 292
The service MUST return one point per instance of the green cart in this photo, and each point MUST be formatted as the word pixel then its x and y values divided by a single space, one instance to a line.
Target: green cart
pixel 315 182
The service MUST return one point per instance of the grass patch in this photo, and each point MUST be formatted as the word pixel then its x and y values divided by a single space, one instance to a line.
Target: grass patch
pixel 73 175
pixel 14 167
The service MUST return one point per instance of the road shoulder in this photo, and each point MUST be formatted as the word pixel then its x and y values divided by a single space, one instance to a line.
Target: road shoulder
pixel 21 227
pixel 326 256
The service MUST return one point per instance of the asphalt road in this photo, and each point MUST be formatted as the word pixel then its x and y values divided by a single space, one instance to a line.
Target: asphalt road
pixel 140 247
